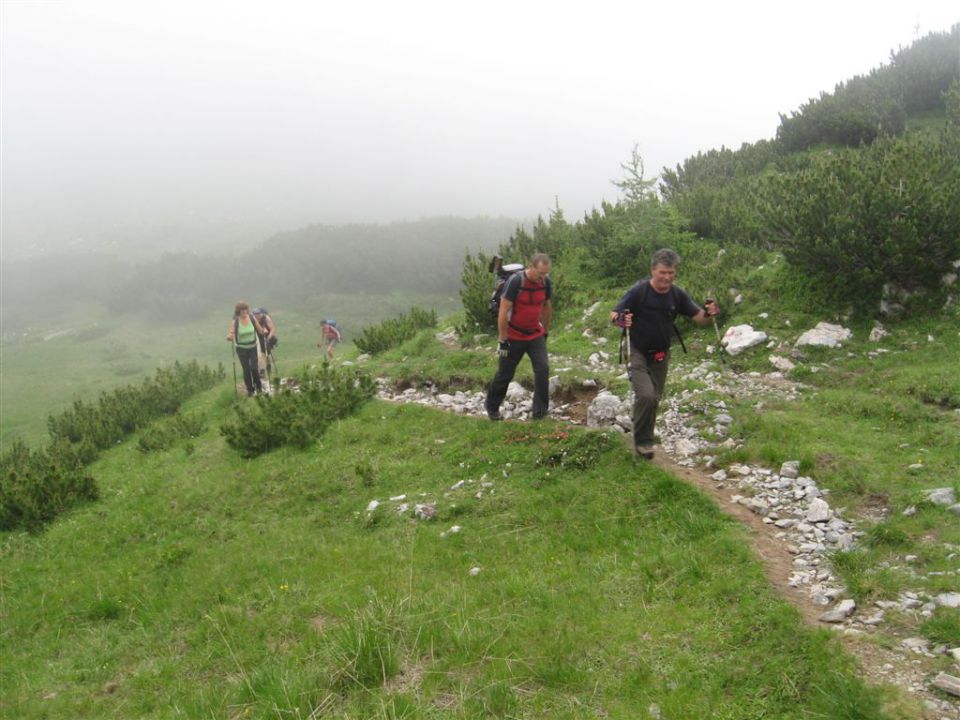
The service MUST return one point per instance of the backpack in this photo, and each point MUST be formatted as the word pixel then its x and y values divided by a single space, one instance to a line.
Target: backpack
pixel 504 273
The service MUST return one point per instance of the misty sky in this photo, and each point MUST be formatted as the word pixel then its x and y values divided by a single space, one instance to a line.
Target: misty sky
pixel 119 113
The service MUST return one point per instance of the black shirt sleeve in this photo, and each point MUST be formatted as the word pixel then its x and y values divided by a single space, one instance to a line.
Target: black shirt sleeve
pixel 685 304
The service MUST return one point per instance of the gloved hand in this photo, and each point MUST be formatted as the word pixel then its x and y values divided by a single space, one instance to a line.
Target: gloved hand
pixel 710 307
pixel 503 348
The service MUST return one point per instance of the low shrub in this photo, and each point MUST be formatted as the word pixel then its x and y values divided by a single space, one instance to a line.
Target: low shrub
pixel 36 486
pixel 102 424
pixel 298 417
pixel 578 452
pixel 390 333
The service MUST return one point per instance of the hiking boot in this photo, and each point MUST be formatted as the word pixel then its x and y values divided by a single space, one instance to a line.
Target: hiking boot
pixel 494 415
pixel 644 451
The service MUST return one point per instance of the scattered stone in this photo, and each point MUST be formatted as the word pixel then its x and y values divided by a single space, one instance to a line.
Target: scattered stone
pixel 553 385
pixel 738 338
pixel 950 600
pixel 790 469
pixel 425 511
pixel 910 511
pixel 781 363
pixel 373 505
pixel 818 511
pixel 878 333
pixel 758 507
pixel 824 335
pixel 604 409
pixel 955 509
pixel 948 683
pixel 917 644
pixel 685 448
pixel 839 613
pixel 942 496
pixel 398 498
pixel 474 571
pixel 516 392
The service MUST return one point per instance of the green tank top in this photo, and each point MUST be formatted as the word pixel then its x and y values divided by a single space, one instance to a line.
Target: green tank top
pixel 246 334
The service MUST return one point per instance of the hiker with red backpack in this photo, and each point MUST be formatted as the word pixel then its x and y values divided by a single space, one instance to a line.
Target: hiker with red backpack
pixel 243 333
pixel 647 312
pixel 330 337
pixel 524 313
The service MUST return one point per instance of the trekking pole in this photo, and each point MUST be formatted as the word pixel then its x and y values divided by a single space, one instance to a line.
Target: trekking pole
pixel 716 329
pixel 233 354
pixel 275 379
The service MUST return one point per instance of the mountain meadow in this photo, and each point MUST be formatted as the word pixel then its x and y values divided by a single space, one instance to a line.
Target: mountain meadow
pixel 364 543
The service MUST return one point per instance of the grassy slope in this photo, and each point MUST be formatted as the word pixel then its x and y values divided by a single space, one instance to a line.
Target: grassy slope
pixel 202 585
pixel 100 353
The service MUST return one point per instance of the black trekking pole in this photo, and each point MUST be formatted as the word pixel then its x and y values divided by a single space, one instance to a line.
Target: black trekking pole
pixel 716 329
pixel 624 343
pixel 272 365
pixel 233 354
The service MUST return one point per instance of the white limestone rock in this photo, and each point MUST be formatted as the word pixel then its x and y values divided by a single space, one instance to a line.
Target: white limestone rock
pixel 824 335
pixel 738 338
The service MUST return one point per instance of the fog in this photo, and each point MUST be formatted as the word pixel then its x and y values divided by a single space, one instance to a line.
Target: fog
pixel 233 120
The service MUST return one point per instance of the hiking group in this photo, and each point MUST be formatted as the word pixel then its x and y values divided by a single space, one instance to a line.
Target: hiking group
pixel 523 308
pixel 254 336
pixel 522 304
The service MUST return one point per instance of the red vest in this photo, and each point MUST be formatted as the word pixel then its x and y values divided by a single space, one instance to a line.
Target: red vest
pixel 524 319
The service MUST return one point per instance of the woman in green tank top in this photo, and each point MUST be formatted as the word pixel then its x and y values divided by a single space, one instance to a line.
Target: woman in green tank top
pixel 243 334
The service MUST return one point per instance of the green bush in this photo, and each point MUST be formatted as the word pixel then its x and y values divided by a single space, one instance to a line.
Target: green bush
pixel 297 417
pixel 35 487
pixel 393 332
pixel 102 424
pixel 857 219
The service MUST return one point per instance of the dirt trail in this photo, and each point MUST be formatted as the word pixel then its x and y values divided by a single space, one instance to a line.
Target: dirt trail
pixel 772 551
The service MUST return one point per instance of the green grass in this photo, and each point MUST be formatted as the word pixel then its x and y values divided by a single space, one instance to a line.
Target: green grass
pixel 203 585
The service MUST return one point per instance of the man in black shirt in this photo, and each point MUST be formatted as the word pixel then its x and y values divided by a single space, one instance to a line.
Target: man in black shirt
pixel 649 309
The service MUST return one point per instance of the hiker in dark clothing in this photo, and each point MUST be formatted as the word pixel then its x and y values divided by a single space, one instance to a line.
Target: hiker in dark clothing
pixel 268 340
pixel 649 310
pixel 244 329
pixel 523 323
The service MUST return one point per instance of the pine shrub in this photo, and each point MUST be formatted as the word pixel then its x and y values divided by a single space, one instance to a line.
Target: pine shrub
pixel 297 418
pixel 393 332
pixel 36 486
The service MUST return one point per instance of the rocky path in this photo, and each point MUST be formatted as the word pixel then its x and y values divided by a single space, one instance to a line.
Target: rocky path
pixel 789 520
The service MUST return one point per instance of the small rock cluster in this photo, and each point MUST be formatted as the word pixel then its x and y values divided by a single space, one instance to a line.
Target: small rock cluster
pixel 516 405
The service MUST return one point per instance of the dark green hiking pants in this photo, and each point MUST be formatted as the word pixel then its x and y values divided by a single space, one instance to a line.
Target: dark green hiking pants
pixel 648 379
